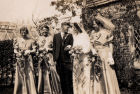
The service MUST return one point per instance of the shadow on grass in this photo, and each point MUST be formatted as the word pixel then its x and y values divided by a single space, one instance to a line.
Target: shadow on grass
pixel 6 89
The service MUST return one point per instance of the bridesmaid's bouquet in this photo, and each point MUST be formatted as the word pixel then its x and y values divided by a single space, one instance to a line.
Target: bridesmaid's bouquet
pixel 21 56
pixel 97 68
pixel 91 57
pixel 22 53
pixel 43 51
pixel 42 55
pixel 96 62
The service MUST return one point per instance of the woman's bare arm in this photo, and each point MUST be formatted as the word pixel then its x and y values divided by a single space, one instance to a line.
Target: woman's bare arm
pixel 106 22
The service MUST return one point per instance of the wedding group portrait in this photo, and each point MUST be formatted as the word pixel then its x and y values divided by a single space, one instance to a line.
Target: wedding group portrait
pixel 70 47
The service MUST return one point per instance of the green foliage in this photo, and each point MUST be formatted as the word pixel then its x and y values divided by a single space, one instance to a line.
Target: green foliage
pixel 123 15
pixel 7 62
pixel 63 5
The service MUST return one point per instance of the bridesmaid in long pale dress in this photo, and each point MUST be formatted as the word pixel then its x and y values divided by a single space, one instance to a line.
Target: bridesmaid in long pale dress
pixel 81 65
pixel 48 82
pixel 101 40
pixel 24 77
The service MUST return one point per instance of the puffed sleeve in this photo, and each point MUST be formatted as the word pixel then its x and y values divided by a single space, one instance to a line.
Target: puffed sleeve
pixel 15 45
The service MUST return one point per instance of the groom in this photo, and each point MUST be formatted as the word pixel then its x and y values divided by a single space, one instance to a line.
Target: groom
pixel 62 42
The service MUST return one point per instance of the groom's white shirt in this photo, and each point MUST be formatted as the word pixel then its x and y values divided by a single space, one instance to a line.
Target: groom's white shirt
pixel 62 34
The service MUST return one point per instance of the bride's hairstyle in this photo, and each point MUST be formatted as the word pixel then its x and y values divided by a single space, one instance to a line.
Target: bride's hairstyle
pixel 77 27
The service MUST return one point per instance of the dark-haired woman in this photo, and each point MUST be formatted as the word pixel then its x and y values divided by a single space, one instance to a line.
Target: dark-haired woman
pixel 48 82
pixel 24 78
pixel 101 39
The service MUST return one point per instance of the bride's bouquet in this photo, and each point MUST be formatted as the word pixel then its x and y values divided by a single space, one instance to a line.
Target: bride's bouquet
pixel 76 52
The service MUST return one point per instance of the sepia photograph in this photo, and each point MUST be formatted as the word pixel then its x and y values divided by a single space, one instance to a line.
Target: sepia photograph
pixel 69 46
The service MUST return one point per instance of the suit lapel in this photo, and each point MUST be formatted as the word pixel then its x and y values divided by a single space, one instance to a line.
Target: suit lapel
pixel 59 37
pixel 60 40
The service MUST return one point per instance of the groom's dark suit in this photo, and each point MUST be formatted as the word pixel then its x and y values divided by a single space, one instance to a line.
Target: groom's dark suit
pixel 63 61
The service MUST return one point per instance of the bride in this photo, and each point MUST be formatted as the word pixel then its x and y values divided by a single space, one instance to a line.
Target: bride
pixel 81 64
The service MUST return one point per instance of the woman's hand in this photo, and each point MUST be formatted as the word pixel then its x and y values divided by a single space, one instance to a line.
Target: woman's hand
pixel 98 16
pixel 67 48
pixel 18 54
pixel 92 59
pixel 49 49
pixel 41 49
pixel 27 52
pixel 93 50
pixel 110 61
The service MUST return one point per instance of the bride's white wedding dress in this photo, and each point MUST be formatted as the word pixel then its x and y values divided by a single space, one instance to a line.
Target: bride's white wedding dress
pixel 81 65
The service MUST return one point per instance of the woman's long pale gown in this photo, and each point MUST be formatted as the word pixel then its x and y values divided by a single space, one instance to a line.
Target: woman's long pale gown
pixel 49 81
pixel 108 83
pixel 24 77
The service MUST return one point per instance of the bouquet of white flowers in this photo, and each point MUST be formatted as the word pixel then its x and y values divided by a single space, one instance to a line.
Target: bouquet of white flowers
pixel 76 52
